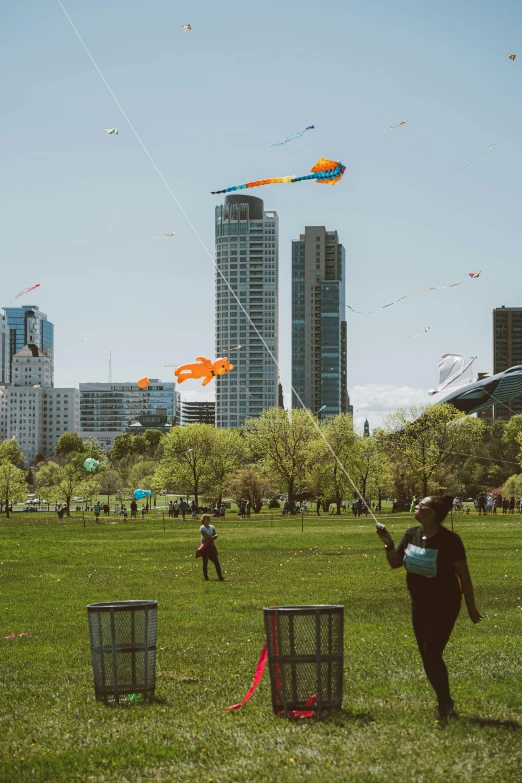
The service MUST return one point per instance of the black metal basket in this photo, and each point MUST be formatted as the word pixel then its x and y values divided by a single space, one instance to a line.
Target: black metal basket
pixel 305 658
pixel 123 650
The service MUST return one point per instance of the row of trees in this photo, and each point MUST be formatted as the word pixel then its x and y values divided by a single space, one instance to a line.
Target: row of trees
pixel 417 451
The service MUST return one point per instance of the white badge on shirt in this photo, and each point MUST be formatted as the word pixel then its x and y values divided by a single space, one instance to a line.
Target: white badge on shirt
pixel 421 561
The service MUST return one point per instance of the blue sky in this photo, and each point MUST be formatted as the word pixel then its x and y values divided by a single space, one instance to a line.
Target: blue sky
pixel 79 208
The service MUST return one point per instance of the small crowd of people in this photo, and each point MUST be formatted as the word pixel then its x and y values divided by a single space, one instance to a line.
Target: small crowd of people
pixel 184 507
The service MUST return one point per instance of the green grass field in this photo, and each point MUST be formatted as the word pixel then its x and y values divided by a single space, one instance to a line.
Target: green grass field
pixel 210 635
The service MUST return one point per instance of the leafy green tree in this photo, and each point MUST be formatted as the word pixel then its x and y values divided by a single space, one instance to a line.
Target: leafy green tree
pixel 140 471
pixel 186 460
pixel 10 451
pixel 227 455
pixel 123 447
pixel 513 487
pixel 12 484
pixel 282 445
pixel 249 484
pixel 421 438
pixel 109 482
pixel 69 443
pixel 66 481
pixel 333 460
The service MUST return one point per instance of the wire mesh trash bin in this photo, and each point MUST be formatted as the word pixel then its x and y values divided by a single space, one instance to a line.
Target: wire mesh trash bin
pixel 305 658
pixel 123 649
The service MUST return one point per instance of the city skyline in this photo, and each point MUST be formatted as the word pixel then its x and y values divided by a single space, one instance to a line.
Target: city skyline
pixel 80 212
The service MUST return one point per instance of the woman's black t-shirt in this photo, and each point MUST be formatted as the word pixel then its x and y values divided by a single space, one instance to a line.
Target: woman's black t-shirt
pixel 444 584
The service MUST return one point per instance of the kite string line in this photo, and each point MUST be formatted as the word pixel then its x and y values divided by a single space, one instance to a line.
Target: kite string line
pixel 131 126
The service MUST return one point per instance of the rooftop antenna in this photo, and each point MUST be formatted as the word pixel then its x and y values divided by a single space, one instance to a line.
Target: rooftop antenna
pixel 110 367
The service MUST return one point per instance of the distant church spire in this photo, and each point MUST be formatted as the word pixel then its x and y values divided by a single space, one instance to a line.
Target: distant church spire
pixel 366 429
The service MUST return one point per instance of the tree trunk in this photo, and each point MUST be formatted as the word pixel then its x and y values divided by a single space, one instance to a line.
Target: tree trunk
pixel 7 507
pixel 290 492
pixel 338 502
pixel 424 485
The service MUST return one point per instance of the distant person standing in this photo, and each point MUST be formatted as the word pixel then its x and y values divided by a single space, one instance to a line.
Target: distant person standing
pixel 183 507
pixel 97 510
pixel 116 509
pixel 134 510
pixel 171 509
pixel 512 504
pixel 207 549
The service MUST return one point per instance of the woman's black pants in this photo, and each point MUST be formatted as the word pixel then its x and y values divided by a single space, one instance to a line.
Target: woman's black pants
pixel 432 625
pixel 210 553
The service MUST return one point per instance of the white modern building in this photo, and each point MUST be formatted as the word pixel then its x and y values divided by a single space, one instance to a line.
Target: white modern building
pixel 247 260
pixel 110 409
pixel 37 414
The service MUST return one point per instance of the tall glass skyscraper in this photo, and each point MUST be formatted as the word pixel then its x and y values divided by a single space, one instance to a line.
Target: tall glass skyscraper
pixel 318 322
pixel 247 254
pixel 27 324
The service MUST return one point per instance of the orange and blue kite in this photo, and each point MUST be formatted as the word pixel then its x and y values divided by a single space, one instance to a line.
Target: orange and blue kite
pixel 325 172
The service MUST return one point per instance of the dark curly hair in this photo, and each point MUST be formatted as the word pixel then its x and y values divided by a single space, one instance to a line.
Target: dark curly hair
pixel 441 505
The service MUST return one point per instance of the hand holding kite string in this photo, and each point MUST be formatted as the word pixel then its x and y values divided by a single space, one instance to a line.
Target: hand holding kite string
pixel 325 172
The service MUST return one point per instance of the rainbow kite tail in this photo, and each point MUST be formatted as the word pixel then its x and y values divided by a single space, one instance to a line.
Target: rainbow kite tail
pixel 325 172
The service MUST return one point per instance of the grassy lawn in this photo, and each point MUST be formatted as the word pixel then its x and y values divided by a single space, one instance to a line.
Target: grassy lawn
pixel 210 635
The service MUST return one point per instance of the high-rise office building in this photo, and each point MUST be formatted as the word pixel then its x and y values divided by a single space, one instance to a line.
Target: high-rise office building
pixel 507 352
pixel 110 409
pixel 4 350
pixel 247 255
pixel 319 342
pixel 38 414
pixel 28 325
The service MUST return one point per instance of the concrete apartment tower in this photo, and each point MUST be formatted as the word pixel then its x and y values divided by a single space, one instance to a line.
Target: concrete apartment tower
pixel 507 352
pixel 247 255
pixel 27 325
pixel 318 323
pixel 38 414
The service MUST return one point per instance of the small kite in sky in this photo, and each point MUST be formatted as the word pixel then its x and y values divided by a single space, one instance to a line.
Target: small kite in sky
pixel 293 136
pixel 25 291
pixel 143 383
pixel 426 329
pixel 90 464
pixel 478 156
pixel 111 131
pixel 512 57
pixel 401 298
pixel 165 236
pixel 203 368
pixel 325 172
pixel 186 27
pixel 399 125
pixel 451 367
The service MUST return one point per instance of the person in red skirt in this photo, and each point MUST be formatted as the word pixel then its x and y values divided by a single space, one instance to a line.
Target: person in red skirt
pixel 207 549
